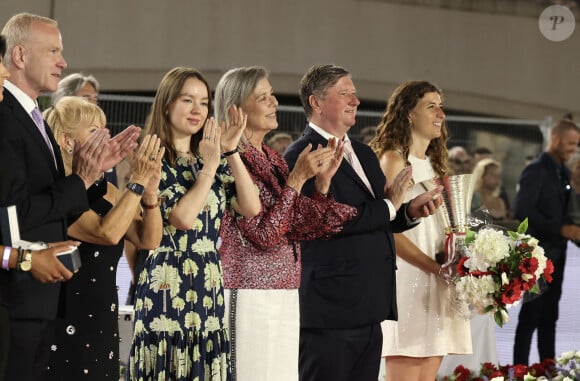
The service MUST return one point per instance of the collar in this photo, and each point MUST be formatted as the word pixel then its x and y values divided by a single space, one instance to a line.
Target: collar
pixel 325 134
pixel 25 101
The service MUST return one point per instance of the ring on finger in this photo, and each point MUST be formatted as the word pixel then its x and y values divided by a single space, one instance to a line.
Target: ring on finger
pixel 152 158
pixel 319 163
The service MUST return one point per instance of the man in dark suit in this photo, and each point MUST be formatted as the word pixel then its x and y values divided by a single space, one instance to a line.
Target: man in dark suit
pixel 33 179
pixel 348 282
pixel 544 192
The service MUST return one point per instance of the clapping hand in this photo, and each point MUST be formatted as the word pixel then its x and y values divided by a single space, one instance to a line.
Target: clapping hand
pixel 395 192
pixel 120 146
pixel 209 146
pixel 330 166
pixel 88 159
pixel 425 204
pixel 308 164
pixel 146 163
pixel 232 133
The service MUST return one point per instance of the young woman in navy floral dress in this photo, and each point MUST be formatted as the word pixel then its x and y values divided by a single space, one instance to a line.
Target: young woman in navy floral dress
pixel 180 332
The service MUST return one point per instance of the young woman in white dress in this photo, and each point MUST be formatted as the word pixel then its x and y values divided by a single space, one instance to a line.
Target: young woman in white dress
pixel 413 132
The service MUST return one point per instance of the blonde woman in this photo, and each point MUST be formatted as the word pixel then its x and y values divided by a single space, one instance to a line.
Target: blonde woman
pixel 486 195
pixel 86 340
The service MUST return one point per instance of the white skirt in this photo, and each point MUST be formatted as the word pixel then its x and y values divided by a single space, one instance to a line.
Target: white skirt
pixel 266 333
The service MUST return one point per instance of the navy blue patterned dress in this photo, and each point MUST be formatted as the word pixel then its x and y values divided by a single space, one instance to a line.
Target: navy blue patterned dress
pixel 86 340
pixel 180 331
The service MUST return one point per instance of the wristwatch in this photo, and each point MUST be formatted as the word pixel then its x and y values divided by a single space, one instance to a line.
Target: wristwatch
pixel 26 263
pixel 136 188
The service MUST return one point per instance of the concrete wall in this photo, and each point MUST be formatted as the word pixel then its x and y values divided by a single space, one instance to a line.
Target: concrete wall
pixel 486 63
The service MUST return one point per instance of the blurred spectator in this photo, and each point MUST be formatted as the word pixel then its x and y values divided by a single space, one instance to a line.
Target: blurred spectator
pixel 459 161
pixel 79 85
pixel 279 142
pixel 487 174
pixel 574 205
pixel 481 153
pixel 367 134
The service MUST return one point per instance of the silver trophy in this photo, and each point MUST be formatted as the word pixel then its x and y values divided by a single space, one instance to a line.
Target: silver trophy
pixel 453 215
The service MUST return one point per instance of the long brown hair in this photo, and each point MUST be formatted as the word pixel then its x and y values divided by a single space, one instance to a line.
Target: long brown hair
pixel 158 121
pixel 394 130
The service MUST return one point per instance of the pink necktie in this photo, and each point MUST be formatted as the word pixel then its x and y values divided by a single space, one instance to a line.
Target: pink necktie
pixel 37 117
pixel 355 164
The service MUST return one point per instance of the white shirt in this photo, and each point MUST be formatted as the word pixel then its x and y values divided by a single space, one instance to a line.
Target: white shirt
pixel 326 135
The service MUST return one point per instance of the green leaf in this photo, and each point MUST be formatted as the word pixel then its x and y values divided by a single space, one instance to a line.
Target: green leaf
pixel 523 226
pixel 469 237
pixel 534 289
pixel 498 318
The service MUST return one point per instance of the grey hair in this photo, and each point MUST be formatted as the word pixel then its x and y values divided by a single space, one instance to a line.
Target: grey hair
pixel 17 30
pixel 71 84
pixel 234 88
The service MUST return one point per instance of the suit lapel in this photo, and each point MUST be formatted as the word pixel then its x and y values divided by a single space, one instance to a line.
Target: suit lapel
pixel 373 177
pixel 31 128
pixel 345 166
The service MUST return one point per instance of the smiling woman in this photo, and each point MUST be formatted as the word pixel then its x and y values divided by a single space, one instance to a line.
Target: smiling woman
pixel 261 255
pixel 413 133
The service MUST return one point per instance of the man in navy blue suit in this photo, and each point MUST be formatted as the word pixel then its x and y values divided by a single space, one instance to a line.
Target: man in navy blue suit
pixel 33 179
pixel 348 282
pixel 544 192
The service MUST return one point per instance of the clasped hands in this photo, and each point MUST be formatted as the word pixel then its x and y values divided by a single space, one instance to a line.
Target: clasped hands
pixel 323 163
pixel 423 205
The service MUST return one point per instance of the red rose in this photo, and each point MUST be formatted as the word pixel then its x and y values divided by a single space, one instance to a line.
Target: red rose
pixel 548 271
pixel 529 284
pixel 529 265
pixel 462 373
pixel 487 368
pixel 520 371
pixel 524 248
pixel 512 292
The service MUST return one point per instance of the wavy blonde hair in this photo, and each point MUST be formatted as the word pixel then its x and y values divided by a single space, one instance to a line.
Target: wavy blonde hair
pixel 65 118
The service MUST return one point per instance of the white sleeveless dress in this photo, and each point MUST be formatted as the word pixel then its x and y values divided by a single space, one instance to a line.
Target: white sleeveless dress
pixel 428 324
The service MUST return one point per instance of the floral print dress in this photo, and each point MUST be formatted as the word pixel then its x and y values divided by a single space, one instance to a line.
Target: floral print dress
pixel 180 331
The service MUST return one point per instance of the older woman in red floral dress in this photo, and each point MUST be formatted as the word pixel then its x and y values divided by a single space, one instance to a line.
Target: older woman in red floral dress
pixel 261 255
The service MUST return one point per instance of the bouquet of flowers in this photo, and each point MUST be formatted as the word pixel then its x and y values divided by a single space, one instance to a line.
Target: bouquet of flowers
pixel 498 269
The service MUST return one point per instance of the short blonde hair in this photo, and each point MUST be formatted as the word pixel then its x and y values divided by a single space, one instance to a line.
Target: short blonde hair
pixel 17 30
pixel 66 116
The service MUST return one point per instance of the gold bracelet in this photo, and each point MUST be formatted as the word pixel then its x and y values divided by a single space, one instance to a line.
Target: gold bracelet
pixel 151 206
